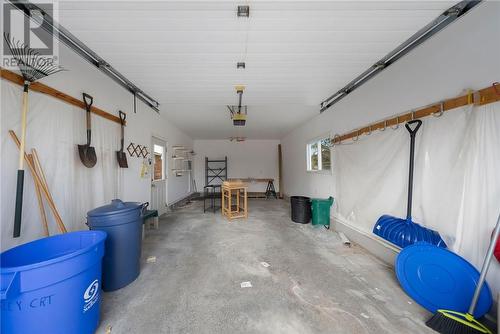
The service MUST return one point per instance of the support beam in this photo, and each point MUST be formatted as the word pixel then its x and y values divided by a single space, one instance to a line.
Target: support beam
pixel 484 96
pixel 44 89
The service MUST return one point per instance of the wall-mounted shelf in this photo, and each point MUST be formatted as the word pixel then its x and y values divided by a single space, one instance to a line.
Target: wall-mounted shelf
pixel 182 160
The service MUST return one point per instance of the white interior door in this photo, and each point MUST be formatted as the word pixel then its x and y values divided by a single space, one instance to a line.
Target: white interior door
pixel 159 176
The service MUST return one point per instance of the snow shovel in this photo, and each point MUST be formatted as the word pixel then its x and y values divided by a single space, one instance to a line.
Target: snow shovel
pixel 87 152
pixel 120 155
pixel 404 232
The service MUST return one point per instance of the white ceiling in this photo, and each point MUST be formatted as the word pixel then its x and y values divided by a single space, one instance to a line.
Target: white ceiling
pixel 184 53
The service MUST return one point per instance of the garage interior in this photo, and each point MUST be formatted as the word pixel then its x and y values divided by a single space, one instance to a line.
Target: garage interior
pixel 250 167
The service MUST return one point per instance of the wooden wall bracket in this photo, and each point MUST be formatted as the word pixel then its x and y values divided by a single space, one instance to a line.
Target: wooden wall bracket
pixel 44 89
pixel 481 97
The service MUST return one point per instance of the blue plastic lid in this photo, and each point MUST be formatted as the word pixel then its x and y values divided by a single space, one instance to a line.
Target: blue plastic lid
pixel 437 278
pixel 116 206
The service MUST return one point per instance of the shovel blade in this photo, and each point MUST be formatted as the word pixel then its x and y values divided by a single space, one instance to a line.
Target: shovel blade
pixel 122 159
pixel 87 155
pixel 404 232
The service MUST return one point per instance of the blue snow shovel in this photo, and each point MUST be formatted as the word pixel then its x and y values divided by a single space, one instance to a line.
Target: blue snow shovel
pixel 404 232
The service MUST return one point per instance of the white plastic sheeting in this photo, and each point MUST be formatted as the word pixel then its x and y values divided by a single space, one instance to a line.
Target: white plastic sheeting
pixel 456 181
pixel 54 129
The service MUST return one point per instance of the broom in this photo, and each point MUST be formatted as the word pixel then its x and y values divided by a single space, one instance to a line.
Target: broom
pixel 33 67
pixel 452 322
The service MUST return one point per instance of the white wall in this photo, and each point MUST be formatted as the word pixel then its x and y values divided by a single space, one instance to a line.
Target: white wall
pixel 57 139
pixel 459 57
pixel 248 159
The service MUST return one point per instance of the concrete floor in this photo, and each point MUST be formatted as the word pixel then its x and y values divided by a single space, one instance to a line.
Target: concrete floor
pixel 314 284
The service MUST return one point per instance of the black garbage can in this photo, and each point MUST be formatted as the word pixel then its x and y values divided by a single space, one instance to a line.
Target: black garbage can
pixel 122 221
pixel 301 209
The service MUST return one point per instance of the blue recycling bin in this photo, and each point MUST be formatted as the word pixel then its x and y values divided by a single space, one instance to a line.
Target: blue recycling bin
pixel 53 284
pixel 122 221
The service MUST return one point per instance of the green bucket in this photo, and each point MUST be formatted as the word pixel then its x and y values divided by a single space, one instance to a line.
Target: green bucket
pixel 320 209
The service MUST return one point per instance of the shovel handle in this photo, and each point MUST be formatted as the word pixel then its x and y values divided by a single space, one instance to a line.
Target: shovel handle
pixel 123 117
pixel 88 101
pixel 413 132
pixel 415 129
pixel 486 266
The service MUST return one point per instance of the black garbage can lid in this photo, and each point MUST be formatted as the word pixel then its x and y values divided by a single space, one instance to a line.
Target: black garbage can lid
pixel 300 198
pixel 117 206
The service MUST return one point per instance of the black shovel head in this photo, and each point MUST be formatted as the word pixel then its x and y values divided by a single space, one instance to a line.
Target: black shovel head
pixel 122 159
pixel 87 155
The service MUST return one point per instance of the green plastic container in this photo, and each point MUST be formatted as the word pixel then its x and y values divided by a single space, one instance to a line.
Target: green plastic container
pixel 321 211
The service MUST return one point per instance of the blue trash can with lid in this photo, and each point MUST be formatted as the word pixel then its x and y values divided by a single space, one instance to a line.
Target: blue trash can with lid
pixel 122 221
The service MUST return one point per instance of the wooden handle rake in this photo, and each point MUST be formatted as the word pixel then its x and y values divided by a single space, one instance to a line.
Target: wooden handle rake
pixel 40 181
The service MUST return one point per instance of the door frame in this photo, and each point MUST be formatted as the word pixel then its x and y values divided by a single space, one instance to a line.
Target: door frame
pixel 159 140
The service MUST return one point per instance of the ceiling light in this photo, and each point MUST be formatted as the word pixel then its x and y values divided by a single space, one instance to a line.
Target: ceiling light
pixel 240 64
pixel 243 11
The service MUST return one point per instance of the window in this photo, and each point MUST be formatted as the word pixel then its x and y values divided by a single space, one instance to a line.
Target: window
pixel 318 155
pixel 159 162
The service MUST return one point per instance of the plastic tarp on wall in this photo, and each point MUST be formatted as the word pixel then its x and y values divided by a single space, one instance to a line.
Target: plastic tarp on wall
pixel 54 129
pixel 456 181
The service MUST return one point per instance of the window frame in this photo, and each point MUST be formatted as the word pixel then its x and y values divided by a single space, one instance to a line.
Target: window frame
pixel 163 156
pixel 320 170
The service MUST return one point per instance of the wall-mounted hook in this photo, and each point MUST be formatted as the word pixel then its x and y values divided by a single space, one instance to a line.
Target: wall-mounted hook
pixel 440 112
pixel 476 98
pixel 385 126
pixel 495 85
pixel 397 124
pixel 470 96
pixel 413 115
pixel 131 149
pixel 336 140
pixel 369 130
pixel 357 136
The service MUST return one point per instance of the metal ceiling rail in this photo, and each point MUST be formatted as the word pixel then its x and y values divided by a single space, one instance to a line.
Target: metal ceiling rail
pixel 447 17
pixel 51 26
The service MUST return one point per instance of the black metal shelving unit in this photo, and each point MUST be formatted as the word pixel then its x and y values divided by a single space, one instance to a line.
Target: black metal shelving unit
pixel 215 174
pixel 215 171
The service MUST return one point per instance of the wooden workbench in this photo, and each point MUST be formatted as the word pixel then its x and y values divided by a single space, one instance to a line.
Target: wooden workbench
pixel 270 191
pixel 250 180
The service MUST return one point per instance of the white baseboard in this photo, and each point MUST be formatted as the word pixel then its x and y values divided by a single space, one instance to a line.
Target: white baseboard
pixel 183 198
pixel 375 245
pixel 385 251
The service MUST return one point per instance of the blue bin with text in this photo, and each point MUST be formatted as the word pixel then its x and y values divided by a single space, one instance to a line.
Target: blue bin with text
pixel 52 285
